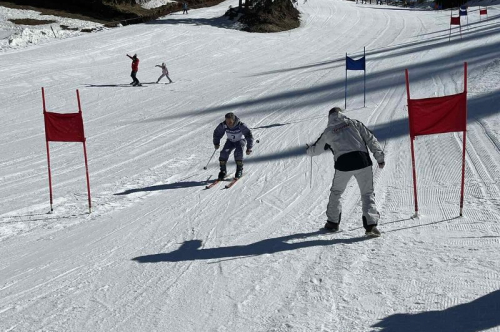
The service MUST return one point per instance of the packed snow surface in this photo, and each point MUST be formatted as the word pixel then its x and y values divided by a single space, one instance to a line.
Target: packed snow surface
pixel 160 253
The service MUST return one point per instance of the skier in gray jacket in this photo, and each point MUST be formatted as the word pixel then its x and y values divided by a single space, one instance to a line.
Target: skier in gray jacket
pixel 235 131
pixel 349 141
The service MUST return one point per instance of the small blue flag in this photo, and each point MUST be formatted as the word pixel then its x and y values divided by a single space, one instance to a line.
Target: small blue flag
pixel 463 11
pixel 352 64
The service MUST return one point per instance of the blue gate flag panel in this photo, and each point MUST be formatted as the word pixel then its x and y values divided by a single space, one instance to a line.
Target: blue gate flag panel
pixel 352 64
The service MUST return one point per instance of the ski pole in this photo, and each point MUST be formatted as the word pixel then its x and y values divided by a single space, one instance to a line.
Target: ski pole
pixel 210 159
pixel 311 182
pixel 311 177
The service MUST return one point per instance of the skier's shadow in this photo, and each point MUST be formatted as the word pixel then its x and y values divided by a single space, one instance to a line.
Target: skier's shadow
pixel 479 315
pixel 109 86
pixel 169 186
pixel 123 85
pixel 190 250
pixel 112 85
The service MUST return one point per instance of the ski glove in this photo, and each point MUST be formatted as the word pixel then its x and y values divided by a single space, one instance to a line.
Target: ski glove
pixel 216 146
pixel 249 151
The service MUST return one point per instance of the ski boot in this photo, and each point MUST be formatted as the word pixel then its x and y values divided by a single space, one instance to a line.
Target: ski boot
pixel 239 169
pixel 370 230
pixel 223 171
pixel 332 227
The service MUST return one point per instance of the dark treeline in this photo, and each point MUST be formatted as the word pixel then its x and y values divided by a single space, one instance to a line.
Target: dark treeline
pixel 98 9
pixel 111 11
pixel 450 3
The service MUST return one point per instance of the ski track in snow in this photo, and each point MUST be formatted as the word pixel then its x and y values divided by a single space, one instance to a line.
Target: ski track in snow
pixel 161 253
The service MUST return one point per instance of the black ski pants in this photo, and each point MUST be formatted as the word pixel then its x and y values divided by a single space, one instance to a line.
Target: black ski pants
pixel 134 77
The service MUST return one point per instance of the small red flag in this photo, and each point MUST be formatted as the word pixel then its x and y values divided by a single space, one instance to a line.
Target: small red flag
pixel 438 115
pixel 64 127
pixel 455 21
pixel 483 12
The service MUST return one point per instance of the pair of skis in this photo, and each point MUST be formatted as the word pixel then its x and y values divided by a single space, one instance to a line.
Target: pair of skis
pixel 229 185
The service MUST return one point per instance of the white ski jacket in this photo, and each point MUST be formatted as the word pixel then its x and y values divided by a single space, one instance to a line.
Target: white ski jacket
pixel 349 138
pixel 164 69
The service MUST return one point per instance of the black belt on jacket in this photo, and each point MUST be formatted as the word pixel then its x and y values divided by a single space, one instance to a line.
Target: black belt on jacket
pixel 353 161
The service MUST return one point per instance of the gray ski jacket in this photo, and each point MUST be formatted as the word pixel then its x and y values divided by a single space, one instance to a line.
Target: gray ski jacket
pixel 349 140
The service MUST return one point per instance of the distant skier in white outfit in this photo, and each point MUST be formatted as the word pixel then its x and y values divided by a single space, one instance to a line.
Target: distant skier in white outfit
pixel 164 73
pixel 349 141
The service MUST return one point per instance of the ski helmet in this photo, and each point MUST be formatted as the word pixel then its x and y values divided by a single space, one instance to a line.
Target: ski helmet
pixel 335 109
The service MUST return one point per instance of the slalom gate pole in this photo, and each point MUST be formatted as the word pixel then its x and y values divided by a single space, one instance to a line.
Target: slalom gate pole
pixel 451 15
pixel 85 155
pixel 364 87
pixel 87 173
pixel 311 178
pixel 345 94
pixel 48 153
pixel 464 142
pixel 50 176
pixel 414 175
pixel 412 146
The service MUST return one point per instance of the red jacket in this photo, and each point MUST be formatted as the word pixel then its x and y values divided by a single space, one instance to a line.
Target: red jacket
pixel 135 65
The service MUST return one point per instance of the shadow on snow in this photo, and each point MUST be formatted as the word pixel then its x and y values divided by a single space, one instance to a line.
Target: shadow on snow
pixel 478 315
pixel 169 186
pixel 322 95
pixel 190 250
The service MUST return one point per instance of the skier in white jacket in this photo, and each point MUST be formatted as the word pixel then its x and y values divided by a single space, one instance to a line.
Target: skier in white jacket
pixel 164 73
pixel 349 141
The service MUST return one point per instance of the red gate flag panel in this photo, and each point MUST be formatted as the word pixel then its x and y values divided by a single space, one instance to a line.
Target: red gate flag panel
pixel 483 12
pixel 434 116
pixel 64 127
pixel 438 115
pixel 455 21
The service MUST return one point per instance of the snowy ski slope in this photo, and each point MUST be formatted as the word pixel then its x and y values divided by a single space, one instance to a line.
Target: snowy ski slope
pixel 159 253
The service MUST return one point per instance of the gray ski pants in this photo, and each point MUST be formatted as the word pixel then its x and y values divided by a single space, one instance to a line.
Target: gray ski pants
pixel 162 76
pixel 364 177
pixel 229 147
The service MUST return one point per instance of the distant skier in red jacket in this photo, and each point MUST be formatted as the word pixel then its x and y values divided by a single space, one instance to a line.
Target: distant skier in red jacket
pixel 135 69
